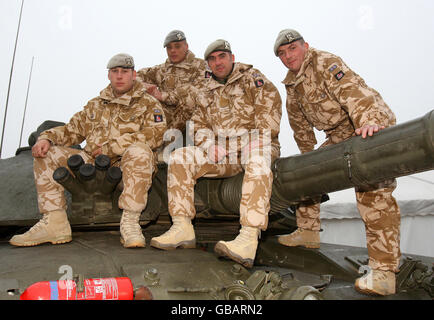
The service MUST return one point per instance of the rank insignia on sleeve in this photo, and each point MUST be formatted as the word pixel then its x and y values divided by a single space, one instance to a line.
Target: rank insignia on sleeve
pixel 259 83
pixel 339 75
pixel 207 74
pixel 333 67
pixel 158 118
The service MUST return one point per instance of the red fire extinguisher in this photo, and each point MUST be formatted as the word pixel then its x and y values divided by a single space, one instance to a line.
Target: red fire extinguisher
pixel 87 289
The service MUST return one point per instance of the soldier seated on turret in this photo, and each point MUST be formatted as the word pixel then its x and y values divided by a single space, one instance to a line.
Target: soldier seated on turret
pixel 123 122
pixel 323 93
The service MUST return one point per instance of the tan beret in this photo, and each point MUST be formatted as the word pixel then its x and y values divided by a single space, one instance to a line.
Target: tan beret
pixel 218 45
pixel 122 60
pixel 286 36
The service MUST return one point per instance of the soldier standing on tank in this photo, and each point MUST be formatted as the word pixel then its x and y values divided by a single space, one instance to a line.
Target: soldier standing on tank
pixel 123 122
pixel 181 70
pixel 323 93
pixel 237 100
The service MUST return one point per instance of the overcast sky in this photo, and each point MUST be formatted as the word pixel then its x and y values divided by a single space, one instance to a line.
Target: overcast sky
pixel 389 43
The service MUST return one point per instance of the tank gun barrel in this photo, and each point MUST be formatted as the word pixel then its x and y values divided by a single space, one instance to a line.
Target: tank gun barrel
pixel 393 152
pixel 396 151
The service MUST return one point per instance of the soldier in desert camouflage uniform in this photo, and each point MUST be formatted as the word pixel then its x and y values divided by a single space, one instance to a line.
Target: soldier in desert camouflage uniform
pixel 323 93
pixel 182 69
pixel 241 105
pixel 124 123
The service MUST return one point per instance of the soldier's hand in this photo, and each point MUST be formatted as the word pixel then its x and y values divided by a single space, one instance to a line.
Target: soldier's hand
pixel 40 148
pixel 368 130
pixel 216 153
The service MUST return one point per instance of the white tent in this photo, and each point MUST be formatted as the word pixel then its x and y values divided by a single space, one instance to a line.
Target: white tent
pixel 342 224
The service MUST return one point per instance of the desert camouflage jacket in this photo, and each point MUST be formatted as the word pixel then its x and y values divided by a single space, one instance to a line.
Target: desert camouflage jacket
pixel 329 96
pixel 114 123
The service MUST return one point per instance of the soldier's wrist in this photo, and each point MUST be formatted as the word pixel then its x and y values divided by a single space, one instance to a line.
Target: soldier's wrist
pixel 164 96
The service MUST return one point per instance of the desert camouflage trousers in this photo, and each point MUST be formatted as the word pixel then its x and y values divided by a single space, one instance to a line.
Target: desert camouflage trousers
pixel 381 215
pixel 177 117
pixel 137 166
pixel 188 164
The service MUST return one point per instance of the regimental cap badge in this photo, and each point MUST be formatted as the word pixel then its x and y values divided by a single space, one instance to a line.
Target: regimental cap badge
pixel 290 36
pixel 227 46
pixel 129 61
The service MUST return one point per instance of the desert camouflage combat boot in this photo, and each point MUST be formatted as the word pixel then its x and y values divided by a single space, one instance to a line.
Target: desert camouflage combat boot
pixel 243 248
pixel 377 282
pixel 131 231
pixel 181 234
pixel 301 237
pixel 53 227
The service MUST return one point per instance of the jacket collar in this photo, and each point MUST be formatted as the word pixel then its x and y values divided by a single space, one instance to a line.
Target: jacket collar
pixel 136 92
pixel 185 64
pixel 237 72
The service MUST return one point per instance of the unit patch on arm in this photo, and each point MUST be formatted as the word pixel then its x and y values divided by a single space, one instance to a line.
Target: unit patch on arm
pixel 332 68
pixel 338 75
pixel 158 117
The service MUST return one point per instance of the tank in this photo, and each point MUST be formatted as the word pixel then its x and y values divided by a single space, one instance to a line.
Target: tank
pixel 279 272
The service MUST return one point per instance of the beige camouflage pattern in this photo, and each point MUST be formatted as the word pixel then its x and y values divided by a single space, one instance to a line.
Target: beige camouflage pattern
pixel 328 96
pixel 188 164
pixel 381 215
pixel 231 110
pixel 114 123
pixel 170 77
pixel 129 128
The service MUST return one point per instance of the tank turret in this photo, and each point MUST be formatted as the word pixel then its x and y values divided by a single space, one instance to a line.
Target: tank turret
pixel 393 152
